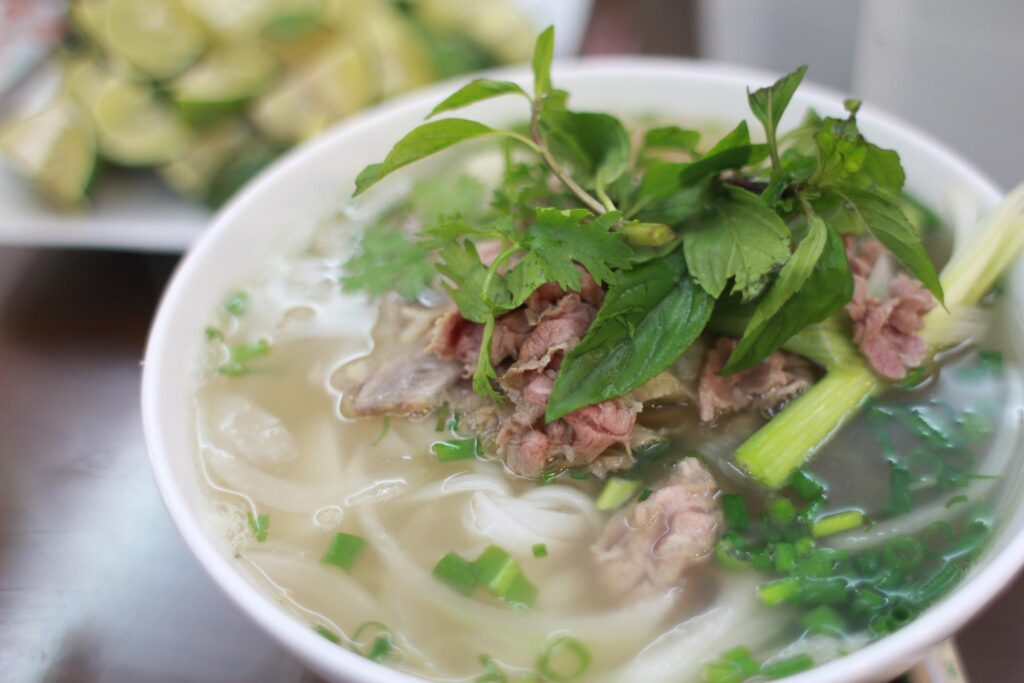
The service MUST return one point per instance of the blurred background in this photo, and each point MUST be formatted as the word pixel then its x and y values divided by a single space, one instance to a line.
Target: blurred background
pixel 124 123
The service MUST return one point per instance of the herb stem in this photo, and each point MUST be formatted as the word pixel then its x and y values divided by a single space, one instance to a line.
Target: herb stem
pixel 538 144
pixel 606 201
pixel 493 269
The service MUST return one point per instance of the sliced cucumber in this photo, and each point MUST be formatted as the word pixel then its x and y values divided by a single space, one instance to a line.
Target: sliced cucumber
pixel 223 82
pixel 56 149
pixel 158 37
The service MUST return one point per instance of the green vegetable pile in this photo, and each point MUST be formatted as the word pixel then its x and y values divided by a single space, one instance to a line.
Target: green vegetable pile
pixel 209 92
pixel 743 231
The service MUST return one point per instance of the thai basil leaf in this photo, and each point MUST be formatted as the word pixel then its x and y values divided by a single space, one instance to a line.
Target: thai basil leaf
pixel 596 145
pixel 814 284
pixel 477 91
pixel 672 137
pixel 732 151
pixel 661 196
pixel 422 142
pixel 768 104
pixel 650 316
pixel 736 237
pixel 543 54
pixel 884 219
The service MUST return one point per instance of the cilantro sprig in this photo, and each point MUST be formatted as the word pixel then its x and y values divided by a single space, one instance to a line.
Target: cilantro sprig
pixel 745 236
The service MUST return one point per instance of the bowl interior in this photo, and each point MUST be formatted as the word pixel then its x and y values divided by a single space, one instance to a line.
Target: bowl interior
pixel 311 183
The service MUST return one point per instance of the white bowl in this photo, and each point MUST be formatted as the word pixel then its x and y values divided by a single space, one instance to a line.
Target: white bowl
pixel 312 181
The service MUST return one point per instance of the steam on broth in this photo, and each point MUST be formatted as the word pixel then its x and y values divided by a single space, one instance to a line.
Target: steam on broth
pixel 539 434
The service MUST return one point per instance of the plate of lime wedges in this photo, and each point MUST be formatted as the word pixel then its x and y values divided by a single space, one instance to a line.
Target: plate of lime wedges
pixel 150 114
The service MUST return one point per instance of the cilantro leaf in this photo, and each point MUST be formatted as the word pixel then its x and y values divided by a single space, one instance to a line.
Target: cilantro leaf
pixel 446 196
pixel 484 375
pixel 477 91
pixel 884 219
pixel 387 260
pixel 461 264
pixel 814 284
pixel 557 239
pixel 736 237
pixel 649 317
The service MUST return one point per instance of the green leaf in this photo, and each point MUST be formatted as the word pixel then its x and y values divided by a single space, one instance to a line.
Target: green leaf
pixel 484 376
pixel 387 260
pixel 595 145
pixel 814 284
pixel 736 237
pixel 845 157
pixel 461 264
pixel 650 316
pixel 476 91
pixel 423 141
pixel 732 151
pixel 884 219
pixel 558 239
pixel 662 197
pixel 883 168
pixel 768 104
pixel 672 137
pixel 543 53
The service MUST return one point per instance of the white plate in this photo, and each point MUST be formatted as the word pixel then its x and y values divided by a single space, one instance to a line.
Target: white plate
pixel 136 212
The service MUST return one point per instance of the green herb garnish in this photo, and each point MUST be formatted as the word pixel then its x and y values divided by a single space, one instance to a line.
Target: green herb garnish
pixel 344 551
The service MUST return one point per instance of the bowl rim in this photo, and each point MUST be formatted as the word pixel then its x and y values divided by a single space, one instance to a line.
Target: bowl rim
pixel 876 658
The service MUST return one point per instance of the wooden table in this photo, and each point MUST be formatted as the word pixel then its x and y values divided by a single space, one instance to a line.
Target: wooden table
pixel 95 584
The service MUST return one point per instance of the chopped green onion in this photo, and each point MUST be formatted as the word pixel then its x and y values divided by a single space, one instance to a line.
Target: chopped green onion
pixel 443 414
pixel 564 659
pixel 616 493
pixel 644 495
pixel 547 477
pixel 780 591
pixel 492 672
pixel 823 591
pixel 241 355
pixel 807 485
pixel 825 620
pixel 213 334
pixel 456 449
pixel 803 546
pixel 734 666
pixel 726 558
pixel 503 577
pixel 736 517
pixel 975 425
pixel 327 633
pixel 785 558
pixel 540 550
pixel 385 427
pixel 900 494
pixel 260 526
pixel 938 585
pixel 344 551
pixel 837 523
pixel 937 536
pixel 787 667
pixel 903 552
pixel 373 640
pixel 237 303
pixel 457 572
pixel 961 498
pixel 579 474
pixel 782 511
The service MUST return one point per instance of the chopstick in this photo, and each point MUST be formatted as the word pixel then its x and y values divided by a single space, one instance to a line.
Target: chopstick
pixel 942 664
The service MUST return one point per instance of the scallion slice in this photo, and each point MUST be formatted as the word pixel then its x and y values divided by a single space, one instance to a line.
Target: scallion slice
pixel 457 572
pixel 344 551
pixel 616 493
pixel 455 449
pixel 564 659
pixel 837 523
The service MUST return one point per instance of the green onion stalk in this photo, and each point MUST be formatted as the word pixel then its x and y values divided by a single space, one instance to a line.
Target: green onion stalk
pixel 793 436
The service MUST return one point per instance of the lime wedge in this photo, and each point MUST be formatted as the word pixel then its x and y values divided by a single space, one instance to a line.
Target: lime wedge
pixel 229 19
pixel 239 170
pixel 222 83
pixel 333 84
pixel 495 24
pixel 158 37
pixel 193 172
pixel 400 60
pixel 134 128
pixel 56 148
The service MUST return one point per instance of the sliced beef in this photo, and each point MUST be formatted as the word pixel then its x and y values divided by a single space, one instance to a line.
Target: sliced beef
pixel 549 294
pixel 646 548
pixel 559 327
pixel 454 337
pixel 600 426
pixel 862 253
pixel 886 331
pixel 406 384
pixel 778 378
